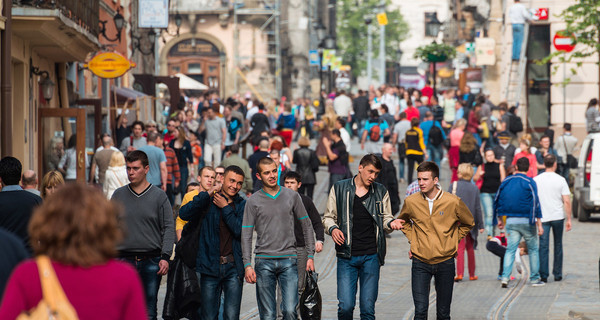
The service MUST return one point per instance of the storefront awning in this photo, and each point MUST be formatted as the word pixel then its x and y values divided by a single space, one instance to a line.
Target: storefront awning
pixel 187 83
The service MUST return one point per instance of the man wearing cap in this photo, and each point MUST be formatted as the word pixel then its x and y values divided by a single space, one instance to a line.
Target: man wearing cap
pixel 504 150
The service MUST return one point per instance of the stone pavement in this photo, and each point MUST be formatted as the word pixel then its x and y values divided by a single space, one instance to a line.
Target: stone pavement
pixel 576 297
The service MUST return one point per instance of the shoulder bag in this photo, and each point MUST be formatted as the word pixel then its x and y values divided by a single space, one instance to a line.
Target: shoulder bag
pixel 571 161
pixel 54 304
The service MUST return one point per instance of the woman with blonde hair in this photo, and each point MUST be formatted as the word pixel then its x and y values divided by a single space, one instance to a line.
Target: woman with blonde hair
pixel 469 194
pixel 77 230
pixel 116 174
pixel 469 151
pixel 50 183
pixel 526 152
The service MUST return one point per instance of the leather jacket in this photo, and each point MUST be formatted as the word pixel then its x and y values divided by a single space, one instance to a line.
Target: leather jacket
pixel 307 163
pixel 338 215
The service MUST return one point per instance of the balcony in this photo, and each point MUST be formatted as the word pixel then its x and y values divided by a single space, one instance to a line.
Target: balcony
pixel 224 6
pixel 62 30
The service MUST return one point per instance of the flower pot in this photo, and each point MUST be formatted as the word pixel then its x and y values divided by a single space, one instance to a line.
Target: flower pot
pixel 437 58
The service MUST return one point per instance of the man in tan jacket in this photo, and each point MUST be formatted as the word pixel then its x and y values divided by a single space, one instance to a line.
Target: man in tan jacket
pixel 433 233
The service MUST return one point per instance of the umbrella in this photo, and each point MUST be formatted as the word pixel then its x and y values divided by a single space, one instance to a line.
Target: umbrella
pixel 187 83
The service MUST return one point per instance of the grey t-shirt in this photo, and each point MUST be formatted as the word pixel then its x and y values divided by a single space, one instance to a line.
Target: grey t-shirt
pixel 273 220
pixel 214 130
pixel 129 141
pixel 155 157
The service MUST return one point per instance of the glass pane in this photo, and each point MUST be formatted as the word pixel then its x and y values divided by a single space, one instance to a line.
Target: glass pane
pixel 194 68
pixel 212 69
pixel 538 77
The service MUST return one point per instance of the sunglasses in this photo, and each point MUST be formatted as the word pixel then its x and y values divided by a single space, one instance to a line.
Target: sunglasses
pixel 221 173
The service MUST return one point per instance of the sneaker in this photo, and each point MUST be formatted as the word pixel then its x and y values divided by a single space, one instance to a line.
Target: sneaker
pixel 538 283
pixel 473 278
pixel 544 280
pixel 499 278
pixel 557 279
pixel 504 283
pixel 458 278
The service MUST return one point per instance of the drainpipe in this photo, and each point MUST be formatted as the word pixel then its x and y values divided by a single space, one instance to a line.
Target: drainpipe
pixel 6 86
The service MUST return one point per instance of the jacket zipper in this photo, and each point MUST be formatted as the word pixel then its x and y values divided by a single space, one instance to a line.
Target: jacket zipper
pixel 348 219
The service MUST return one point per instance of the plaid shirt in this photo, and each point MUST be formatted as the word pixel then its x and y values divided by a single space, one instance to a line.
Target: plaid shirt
pixel 172 166
pixel 413 188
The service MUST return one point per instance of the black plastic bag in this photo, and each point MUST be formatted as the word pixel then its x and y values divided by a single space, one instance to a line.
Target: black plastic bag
pixel 310 300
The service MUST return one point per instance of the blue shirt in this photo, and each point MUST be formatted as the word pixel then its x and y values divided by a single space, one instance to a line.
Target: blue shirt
pixel 155 157
pixel 460 113
pixel 426 126
pixel 371 123
pixel 12 188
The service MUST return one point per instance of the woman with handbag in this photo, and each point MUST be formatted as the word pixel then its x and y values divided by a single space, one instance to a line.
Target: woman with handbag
pixel 491 174
pixel 74 235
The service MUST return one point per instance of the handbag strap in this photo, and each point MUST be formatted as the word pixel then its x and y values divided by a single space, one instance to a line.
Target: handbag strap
pixel 454 185
pixel 565 144
pixel 51 289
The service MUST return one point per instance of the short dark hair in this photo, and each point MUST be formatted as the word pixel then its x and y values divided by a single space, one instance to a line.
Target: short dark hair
pixel 209 168
pixel 235 169
pixel 137 122
pixel 523 165
pixel 374 113
pixel 10 170
pixel 545 136
pixel 402 115
pixel 414 122
pixel 549 160
pixel 263 162
pixel 428 166
pixel 567 126
pixel 371 159
pixel 136 155
pixel 341 121
pixel 235 148
pixel 385 108
pixel 293 175
pixel 191 184
pixel 336 132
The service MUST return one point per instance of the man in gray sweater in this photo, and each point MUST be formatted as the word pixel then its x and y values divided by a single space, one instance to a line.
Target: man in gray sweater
pixel 149 226
pixel 271 212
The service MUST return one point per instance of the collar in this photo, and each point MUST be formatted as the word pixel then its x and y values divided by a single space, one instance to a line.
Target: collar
pixel 14 187
pixel 437 196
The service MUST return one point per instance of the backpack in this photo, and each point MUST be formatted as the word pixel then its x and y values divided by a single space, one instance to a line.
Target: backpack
pixel 375 132
pixel 436 137
pixel 233 126
pixel 515 124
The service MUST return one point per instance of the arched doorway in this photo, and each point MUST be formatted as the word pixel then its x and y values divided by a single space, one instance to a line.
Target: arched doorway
pixel 199 59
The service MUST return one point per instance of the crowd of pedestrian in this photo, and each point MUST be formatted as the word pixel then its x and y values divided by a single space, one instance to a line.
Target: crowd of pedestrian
pixel 233 215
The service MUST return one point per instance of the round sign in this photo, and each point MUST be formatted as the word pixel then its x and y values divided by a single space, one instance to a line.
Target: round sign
pixel 109 65
pixel 564 41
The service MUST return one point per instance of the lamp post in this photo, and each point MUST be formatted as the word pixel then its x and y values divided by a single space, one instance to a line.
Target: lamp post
pixel 329 44
pixel 399 59
pixel 320 32
pixel 434 26
pixel 137 43
pixel 369 50
pixel 119 22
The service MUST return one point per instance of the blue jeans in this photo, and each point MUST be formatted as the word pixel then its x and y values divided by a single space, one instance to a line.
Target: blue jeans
pixel 518 34
pixel 487 203
pixel 401 162
pixel 421 283
pixel 147 270
pixel 335 177
pixel 349 271
pixel 557 227
pixel 230 284
pixel 269 274
pixel 514 233
pixel 436 153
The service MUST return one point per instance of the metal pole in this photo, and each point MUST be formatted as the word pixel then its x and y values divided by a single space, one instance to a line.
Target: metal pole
pixel 369 54
pixel 382 48
pixel 564 89
pixel 321 100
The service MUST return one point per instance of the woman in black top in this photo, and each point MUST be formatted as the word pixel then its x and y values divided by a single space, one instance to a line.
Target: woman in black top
pixel 492 173
pixel 469 151
pixel 183 151
pixel 307 163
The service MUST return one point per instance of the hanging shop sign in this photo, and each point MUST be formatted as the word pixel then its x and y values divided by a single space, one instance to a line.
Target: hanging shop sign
pixel 153 14
pixel 540 13
pixel 109 65
pixel 485 51
pixel 382 19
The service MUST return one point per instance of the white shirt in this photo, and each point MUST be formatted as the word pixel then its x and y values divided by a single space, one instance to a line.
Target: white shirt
pixel 252 111
pixel 518 14
pixel 391 101
pixel 342 105
pixel 551 188
pixel 346 139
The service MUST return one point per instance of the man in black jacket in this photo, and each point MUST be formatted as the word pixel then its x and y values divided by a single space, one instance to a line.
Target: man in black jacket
pixel 16 204
pixel 361 111
pixel 387 177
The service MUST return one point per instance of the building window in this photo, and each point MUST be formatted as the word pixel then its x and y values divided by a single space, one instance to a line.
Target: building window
pixel 432 24
pixel 176 69
pixel 194 68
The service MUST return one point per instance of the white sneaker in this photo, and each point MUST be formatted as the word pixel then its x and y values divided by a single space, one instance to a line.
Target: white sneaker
pixel 538 283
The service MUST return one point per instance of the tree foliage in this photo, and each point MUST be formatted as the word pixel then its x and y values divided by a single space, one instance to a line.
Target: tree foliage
pixel 583 21
pixel 439 50
pixel 352 32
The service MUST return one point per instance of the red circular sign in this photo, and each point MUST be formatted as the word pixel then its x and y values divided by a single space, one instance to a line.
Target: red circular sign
pixel 564 41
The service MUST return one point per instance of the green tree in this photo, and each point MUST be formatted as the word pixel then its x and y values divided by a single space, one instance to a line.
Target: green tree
pixel 583 21
pixel 352 32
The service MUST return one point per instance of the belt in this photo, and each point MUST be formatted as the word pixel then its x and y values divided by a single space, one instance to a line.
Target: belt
pixel 226 259
pixel 140 257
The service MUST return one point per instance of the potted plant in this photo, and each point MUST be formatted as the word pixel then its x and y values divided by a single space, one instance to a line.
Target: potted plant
pixel 434 53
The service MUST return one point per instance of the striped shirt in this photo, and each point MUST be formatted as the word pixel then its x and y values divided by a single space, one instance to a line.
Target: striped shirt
pixel 172 166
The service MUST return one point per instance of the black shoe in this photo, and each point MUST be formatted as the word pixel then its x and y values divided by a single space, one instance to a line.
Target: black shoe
pixel 557 279
pixel 545 280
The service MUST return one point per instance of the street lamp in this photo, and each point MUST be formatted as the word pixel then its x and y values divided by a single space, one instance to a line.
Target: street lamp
pixel 119 21
pixel 399 58
pixel 137 43
pixel 329 43
pixel 46 84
